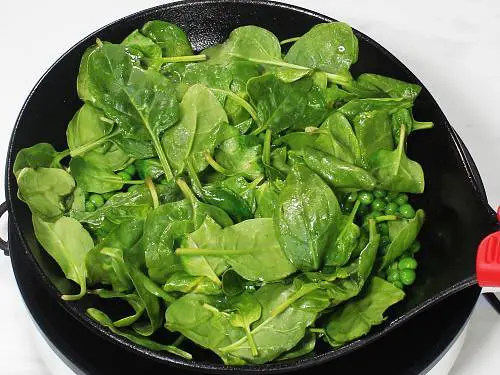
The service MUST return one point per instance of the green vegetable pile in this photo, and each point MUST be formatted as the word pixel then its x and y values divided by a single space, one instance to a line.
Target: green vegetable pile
pixel 234 196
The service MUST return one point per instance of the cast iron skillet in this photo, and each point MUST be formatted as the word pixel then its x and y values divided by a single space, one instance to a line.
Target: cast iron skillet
pixel 458 216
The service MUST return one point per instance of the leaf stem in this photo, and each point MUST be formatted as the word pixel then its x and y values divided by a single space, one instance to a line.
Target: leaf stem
pixel 290 40
pixel 186 191
pixel 89 146
pixel 152 190
pixel 308 288
pixel 421 125
pixel 242 102
pixel 271 62
pixel 219 168
pixel 339 79
pixel 163 158
pixel 174 59
pixel 196 251
pixel 251 341
pixel 379 219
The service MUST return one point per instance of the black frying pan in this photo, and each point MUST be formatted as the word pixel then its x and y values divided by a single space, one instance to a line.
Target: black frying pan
pixel 458 215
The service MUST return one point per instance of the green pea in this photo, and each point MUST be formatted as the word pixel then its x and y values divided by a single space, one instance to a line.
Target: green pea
pixel 97 200
pixel 108 195
pixel 407 276
pixel 352 197
pixel 393 275
pixel 89 206
pixel 385 240
pixel 391 208
pixel 377 214
pixel 393 266
pixel 378 205
pixel 407 263
pixel 124 175
pixel 131 170
pixel 398 284
pixel 163 181
pixel 401 199
pixel 407 211
pixel 378 193
pixel 414 247
pixel 383 228
pixel 365 197
pixel 391 196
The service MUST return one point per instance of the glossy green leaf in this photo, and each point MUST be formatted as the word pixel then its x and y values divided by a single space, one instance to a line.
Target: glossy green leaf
pixel 356 318
pixel 68 243
pixel 307 215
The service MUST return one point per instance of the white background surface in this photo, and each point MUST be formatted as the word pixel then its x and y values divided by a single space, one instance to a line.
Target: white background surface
pixel 453 47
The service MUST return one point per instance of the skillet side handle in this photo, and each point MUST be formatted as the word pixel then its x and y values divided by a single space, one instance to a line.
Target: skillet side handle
pixel 4 245
pixel 488 261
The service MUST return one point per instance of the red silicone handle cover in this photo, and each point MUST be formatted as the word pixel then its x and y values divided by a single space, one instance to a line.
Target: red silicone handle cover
pixel 488 260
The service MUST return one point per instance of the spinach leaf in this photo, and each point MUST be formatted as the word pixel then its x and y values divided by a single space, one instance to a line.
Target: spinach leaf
pixel 356 106
pixel 336 137
pixel 132 299
pixel 266 199
pixel 68 243
pixel 169 37
pixel 167 224
pixel 145 47
pixel 206 236
pixel 123 207
pixel 39 155
pixel 337 173
pixel 402 234
pixel 162 228
pixel 251 249
pixel 395 171
pixel 297 140
pixel 374 132
pixel 241 155
pixel 232 283
pixel 44 190
pixel 375 85
pixel 198 132
pixel 348 282
pixel 182 282
pixel 106 270
pixel 196 317
pixel 287 310
pixel 304 347
pixel 330 47
pixel 114 82
pixel 283 105
pixel 94 178
pixel 346 242
pixel 248 310
pixel 279 157
pixel 106 321
pixel 88 136
pixel 306 218
pixel 149 168
pixel 135 148
pixel 404 117
pixel 355 318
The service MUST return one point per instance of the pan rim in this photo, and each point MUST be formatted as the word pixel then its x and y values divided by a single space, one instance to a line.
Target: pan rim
pixel 273 367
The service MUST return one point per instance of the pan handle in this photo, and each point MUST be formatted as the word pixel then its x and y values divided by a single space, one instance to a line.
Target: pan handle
pixel 4 245
pixel 488 261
